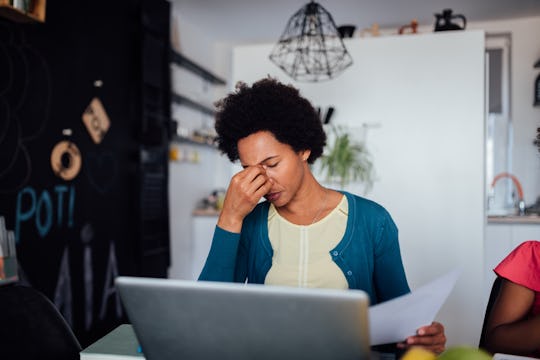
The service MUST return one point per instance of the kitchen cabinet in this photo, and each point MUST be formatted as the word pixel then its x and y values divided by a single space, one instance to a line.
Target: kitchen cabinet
pixel 203 230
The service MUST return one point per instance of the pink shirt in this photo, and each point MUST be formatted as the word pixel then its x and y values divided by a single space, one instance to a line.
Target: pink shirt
pixel 522 266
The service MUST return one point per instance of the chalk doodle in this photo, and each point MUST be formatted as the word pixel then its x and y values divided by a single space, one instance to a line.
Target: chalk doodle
pixel 9 148
pixel 4 119
pixel 101 170
pixel 66 160
pixel 6 66
pixel 25 102
pixel 96 120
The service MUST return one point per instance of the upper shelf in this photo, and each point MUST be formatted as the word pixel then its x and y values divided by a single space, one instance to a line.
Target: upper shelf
pixel 180 99
pixel 36 13
pixel 188 64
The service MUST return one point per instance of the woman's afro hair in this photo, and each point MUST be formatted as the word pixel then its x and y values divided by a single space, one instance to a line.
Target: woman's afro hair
pixel 268 105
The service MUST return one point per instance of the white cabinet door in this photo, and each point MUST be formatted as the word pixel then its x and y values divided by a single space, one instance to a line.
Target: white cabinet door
pixel 203 231
pixel 524 232
pixel 498 244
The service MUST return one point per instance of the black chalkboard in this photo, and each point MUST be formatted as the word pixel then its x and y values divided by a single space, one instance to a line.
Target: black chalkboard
pixel 77 218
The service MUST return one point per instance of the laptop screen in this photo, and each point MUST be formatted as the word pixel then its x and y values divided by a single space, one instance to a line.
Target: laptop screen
pixel 8 257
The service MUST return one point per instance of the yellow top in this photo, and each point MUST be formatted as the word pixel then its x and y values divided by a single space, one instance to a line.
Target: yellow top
pixel 302 252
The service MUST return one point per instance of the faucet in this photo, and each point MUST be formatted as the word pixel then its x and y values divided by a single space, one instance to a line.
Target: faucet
pixel 517 184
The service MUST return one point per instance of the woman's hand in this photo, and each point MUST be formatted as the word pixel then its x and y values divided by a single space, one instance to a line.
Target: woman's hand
pixel 430 337
pixel 244 192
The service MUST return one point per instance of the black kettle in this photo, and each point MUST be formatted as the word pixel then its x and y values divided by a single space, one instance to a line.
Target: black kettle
pixel 444 22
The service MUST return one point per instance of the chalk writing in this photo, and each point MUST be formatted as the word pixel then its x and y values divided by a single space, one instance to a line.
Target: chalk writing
pixel 87 233
pixel 63 294
pixel 108 288
pixel 41 209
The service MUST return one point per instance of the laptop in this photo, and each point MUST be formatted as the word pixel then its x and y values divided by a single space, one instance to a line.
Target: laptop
pixel 180 319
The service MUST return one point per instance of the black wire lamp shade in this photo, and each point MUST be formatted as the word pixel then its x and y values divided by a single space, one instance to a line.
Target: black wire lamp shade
pixel 311 48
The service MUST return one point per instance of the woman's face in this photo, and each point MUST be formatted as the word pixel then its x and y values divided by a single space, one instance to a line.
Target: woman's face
pixel 282 164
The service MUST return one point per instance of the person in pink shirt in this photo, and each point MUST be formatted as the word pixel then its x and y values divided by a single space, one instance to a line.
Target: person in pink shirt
pixel 513 325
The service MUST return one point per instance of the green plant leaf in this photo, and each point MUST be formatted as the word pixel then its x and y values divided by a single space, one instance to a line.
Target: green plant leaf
pixel 346 160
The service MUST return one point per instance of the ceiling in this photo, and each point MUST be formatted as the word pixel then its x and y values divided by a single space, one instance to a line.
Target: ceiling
pixel 240 21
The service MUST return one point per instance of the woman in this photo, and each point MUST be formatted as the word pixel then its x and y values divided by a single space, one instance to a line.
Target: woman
pixel 303 234
pixel 513 325
pixel 514 321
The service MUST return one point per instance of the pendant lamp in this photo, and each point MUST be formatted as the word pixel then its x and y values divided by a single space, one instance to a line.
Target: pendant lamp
pixel 311 48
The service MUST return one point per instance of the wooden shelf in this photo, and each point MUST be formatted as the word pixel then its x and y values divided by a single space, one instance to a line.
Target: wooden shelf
pixel 182 100
pixel 191 66
pixel 191 141
pixel 36 13
pixel 188 64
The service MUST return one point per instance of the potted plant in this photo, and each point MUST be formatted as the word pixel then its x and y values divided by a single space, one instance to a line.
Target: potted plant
pixel 346 160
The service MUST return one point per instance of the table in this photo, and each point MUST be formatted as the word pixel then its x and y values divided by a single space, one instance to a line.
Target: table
pixel 119 344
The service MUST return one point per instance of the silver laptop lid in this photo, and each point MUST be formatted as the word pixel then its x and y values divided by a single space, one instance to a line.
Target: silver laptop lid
pixel 177 319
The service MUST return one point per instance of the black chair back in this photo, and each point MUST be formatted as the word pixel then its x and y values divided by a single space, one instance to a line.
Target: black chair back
pixel 32 328
pixel 492 297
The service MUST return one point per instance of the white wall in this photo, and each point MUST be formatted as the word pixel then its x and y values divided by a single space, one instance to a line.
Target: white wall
pixel 425 94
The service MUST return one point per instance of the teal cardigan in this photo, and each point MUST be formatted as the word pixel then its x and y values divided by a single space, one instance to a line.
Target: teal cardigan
pixel 368 254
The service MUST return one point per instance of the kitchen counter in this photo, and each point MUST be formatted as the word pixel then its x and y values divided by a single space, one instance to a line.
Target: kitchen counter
pixel 205 212
pixel 514 219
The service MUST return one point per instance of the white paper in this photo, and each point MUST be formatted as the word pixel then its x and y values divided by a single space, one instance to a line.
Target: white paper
pixel 501 356
pixel 395 320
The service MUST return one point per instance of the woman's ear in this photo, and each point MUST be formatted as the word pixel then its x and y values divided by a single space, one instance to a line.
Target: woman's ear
pixel 305 154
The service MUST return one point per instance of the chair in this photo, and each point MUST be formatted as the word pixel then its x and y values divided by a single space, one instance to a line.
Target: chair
pixel 32 328
pixel 495 288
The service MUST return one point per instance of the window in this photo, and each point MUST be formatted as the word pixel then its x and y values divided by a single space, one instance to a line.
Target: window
pixel 498 123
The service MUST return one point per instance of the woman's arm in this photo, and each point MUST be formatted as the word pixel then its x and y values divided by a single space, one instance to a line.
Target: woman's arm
pixel 509 330
pixel 227 251
pixel 220 264
pixel 388 272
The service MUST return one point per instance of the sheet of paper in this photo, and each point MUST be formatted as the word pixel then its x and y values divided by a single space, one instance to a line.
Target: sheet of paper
pixel 394 320
pixel 501 356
